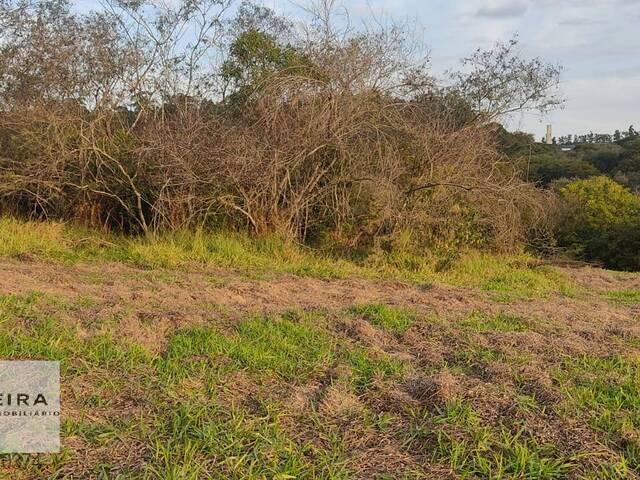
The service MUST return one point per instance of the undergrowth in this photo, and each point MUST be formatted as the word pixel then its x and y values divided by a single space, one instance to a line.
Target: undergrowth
pixel 505 275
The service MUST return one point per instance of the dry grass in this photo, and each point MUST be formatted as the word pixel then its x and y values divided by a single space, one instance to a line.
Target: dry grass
pixel 203 372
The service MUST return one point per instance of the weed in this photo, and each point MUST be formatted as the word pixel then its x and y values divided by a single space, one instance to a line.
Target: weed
pixel 288 349
pixel 508 276
pixel 607 391
pixel 457 436
pixel 277 345
pixel 198 441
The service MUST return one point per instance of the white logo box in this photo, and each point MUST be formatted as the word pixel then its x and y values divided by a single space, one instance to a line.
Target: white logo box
pixel 29 406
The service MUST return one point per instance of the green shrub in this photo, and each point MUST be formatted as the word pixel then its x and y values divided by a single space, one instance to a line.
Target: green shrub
pixel 601 222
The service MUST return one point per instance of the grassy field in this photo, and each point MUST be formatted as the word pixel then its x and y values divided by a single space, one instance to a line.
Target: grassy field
pixel 217 356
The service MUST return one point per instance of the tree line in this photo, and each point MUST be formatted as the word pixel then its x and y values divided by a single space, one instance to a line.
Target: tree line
pixel 596 137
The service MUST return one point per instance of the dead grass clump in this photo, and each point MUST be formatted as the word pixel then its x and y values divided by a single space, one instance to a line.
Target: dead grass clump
pixel 539 384
pixel 394 399
pixel 386 459
pixel 436 390
pixel 366 334
pixel 339 402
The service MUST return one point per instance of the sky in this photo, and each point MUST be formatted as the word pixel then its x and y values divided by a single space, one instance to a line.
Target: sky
pixel 597 42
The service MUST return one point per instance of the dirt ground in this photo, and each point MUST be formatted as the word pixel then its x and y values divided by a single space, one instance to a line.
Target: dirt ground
pixel 180 298
pixel 490 368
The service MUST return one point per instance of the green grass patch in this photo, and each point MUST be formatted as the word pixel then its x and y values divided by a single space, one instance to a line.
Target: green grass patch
pixel 368 367
pixel 70 244
pixel 624 297
pixel 502 322
pixel 507 276
pixel 29 333
pixel 455 435
pixel 193 352
pixel 211 441
pixel 93 432
pixel 233 250
pixel 188 435
pixel 519 276
pixel 17 306
pixel 28 330
pixel 607 392
pixel 288 349
pixel 47 239
pixel 393 319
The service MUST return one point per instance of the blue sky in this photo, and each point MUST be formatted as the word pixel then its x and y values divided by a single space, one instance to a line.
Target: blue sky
pixel 596 41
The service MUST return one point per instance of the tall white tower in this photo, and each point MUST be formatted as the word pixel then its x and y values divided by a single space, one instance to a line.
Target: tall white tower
pixel 549 137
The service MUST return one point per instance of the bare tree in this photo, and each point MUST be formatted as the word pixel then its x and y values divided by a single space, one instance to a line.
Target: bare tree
pixel 498 82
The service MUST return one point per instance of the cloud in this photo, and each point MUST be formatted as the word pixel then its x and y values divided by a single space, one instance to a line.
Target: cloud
pixel 503 9
pixel 579 22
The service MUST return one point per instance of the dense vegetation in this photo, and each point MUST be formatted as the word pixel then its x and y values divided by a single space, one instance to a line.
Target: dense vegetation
pixel 121 119
pixel 601 221
pixel 597 185
pixel 546 164
pixel 152 117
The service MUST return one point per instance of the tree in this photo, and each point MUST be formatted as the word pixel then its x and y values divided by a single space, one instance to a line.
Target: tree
pixel 500 82
pixel 601 222
pixel 616 136
pixel 253 56
pixel 545 168
pixel 324 132
pixel 48 52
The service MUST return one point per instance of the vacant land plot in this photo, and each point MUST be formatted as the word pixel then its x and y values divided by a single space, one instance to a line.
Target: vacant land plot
pixel 237 360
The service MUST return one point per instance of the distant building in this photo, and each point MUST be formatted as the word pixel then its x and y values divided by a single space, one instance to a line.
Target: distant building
pixel 549 137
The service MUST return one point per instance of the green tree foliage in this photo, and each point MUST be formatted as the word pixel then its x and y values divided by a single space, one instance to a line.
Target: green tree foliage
pixel 546 168
pixel 601 222
pixel 617 136
pixel 254 55
pixel 514 143
pixel 546 164
pixel 541 163
pixel 603 157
